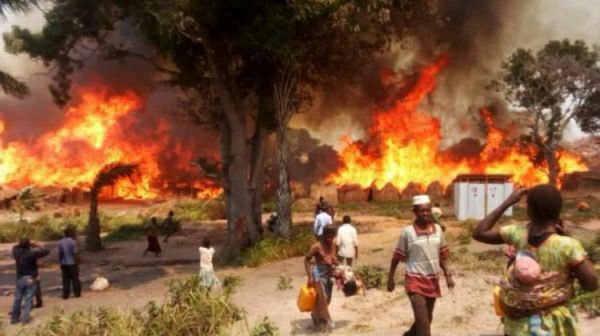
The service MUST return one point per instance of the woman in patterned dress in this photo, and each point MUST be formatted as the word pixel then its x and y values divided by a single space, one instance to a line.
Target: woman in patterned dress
pixel 543 302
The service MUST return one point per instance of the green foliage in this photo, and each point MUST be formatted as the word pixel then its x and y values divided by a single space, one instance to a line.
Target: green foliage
pixel 43 228
pixel 265 328
pixel 556 85
pixel 372 276
pixel 399 210
pixel 284 283
pixel 592 247
pixel 188 310
pixel 231 282
pixel 588 301
pixel 190 210
pixel 12 86
pixel 274 248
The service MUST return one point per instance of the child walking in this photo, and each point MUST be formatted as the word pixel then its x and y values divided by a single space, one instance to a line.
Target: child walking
pixel 208 278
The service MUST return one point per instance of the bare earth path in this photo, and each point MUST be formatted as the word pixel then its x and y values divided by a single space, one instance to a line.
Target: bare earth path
pixel 137 279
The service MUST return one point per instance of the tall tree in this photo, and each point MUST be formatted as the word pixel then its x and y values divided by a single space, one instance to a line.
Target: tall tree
pixel 558 84
pixel 225 56
pixel 108 176
pixel 284 89
pixel 9 84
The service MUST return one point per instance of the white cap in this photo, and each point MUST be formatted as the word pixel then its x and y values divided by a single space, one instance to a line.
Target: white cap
pixel 421 199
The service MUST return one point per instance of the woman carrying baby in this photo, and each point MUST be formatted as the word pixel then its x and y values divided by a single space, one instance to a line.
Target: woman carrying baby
pixel 538 284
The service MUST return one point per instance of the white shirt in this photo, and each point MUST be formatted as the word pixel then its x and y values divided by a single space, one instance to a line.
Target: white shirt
pixel 323 219
pixel 347 239
pixel 206 255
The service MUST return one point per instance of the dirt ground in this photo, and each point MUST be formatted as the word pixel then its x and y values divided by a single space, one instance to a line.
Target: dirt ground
pixel 135 280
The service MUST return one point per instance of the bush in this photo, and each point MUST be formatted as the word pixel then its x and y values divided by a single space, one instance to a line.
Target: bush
pixel 273 248
pixel 593 248
pixel 265 328
pixel 231 282
pixel 188 310
pixel 372 276
pixel 198 210
pixel 44 228
pixel 589 302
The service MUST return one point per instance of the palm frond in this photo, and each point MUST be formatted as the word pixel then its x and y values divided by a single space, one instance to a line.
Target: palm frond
pixel 10 85
pixel 14 6
pixel 110 174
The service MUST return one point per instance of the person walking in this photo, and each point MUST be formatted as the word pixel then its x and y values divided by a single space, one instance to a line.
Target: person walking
pixel 320 275
pixel 68 254
pixel 322 220
pixel 208 278
pixel 347 242
pixel 538 282
pixel 152 238
pixel 26 255
pixel 169 226
pixel 423 248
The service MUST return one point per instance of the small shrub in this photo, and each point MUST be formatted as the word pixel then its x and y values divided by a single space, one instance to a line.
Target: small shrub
pixel 593 248
pixel 274 248
pixel 284 283
pixel 231 282
pixel 372 276
pixel 265 328
pixel 191 210
pixel 589 302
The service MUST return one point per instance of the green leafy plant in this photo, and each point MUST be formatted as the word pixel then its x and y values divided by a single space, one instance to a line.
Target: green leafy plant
pixel 372 276
pixel 274 248
pixel 231 282
pixel 265 328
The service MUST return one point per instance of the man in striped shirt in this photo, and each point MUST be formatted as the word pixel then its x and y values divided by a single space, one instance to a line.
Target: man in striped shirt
pixel 423 248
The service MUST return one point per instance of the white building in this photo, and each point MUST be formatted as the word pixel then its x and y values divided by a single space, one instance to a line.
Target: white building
pixel 476 195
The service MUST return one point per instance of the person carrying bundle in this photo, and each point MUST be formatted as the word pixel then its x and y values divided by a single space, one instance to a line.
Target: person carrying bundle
pixel 537 285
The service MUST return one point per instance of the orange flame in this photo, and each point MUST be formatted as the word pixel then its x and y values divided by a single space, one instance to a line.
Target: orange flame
pixel 405 142
pixel 96 131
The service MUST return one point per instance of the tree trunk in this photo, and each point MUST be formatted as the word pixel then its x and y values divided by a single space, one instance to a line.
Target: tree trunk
pixel 284 199
pixel 553 165
pixel 243 231
pixel 92 238
pixel 257 174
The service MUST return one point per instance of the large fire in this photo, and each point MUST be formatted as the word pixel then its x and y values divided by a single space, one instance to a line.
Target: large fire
pixel 404 147
pixel 98 130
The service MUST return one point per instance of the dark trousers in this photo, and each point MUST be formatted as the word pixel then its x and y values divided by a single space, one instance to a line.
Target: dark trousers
pixel 423 311
pixel 70 276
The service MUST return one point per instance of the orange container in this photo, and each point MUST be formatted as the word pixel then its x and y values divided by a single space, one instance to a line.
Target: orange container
pixel 497 303
pixel 307 298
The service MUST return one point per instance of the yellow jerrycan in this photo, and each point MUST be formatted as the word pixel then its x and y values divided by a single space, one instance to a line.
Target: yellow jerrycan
pixel 307 298
pixel 497 303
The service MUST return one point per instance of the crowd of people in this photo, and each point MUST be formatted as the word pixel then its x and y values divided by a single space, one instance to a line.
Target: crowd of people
pixel 28 281
pixel 543 262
